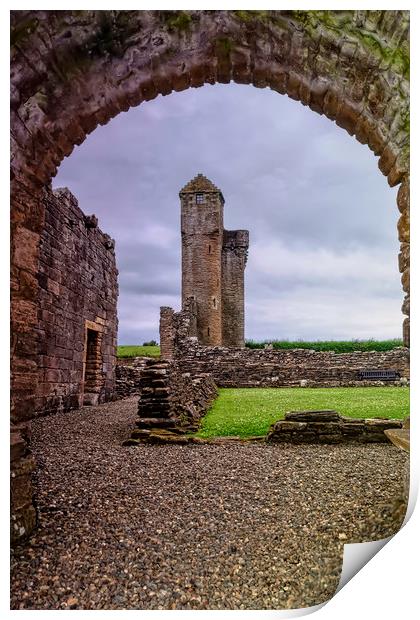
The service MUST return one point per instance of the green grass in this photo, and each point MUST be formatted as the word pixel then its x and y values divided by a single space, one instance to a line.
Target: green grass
pixel 250 411
pixel 131 350
pixel 339 346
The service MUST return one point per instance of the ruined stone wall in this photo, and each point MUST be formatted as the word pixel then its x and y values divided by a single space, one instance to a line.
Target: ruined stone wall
pixel 77 292
pixel 202 239
pixel 278 368
pixel 167 332
pixel 329 427
pixel 171 401
pixel 22 464
pixel 352 66
pixel 127 377
pixel 76 322
pixel 175 327
pixel 234 255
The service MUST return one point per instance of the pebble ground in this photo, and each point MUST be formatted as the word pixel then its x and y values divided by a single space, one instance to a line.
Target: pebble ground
pixel 235 526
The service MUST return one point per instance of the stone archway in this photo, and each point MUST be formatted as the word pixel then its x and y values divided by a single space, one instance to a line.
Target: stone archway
pixel 73 70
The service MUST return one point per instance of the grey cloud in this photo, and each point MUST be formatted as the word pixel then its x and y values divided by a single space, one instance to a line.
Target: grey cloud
pixel 291 177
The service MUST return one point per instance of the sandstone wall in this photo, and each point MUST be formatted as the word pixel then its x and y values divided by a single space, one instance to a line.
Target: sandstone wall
pixel 234 255
pixel 202 238
pixel 175 327
pixel 77 292
pixel 75 349
pixel 22 510
pixel 278 368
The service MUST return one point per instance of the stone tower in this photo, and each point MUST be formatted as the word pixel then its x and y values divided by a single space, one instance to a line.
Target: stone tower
pixel 213 264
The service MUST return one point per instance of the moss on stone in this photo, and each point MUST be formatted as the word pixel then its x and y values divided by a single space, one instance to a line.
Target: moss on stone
pixel 342 22
pixel 223 46
pixel 23 31
pixel 177 20
pixel 115 27
pixel 248 16
pixel 405 121
pixel 110 39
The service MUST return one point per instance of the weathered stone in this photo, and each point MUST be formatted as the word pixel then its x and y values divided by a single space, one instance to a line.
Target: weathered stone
pixel 22 464
pixel 91 221
pixel 313 416
pixel 127 377
pixel 77 261
pixel 157 422
pixel 404 227
pixel 330 437
pixel 167 438
pixel 406 332
pixel 399 437
pixel 236 367
pixel 213 264
pixel 289 427
pixel 167 413
pixel 131 442
pixel 333 429
pixel 379 423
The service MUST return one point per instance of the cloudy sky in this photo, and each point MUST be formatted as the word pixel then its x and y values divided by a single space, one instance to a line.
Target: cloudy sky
pixel 323 244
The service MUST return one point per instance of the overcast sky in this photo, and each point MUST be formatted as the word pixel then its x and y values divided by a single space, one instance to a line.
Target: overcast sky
pixel 323 243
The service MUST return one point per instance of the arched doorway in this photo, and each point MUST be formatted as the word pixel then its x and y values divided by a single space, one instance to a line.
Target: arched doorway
pixel 73 70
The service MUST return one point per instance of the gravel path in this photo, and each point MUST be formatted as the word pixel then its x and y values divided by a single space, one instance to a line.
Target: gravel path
pixel 239 526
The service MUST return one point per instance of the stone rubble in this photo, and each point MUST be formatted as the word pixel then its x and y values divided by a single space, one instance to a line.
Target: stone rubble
pixel 329 427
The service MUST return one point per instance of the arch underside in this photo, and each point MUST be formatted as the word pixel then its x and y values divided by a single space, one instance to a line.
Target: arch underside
pixel 73 70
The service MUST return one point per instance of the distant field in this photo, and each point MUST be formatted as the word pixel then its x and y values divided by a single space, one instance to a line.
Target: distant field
pixel 339 346
pixel 133 350
pixel 250 411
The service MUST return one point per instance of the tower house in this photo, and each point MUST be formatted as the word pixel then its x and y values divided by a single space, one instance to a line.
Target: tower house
pixel 213 264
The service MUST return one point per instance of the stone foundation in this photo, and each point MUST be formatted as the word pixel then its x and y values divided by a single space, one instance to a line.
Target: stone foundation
pixel 329 427
pixel 171 402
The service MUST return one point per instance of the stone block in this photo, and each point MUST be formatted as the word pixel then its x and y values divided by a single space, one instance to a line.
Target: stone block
pixel 313 416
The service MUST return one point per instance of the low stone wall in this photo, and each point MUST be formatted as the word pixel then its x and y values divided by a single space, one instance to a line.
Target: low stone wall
pixel 22 464
pixel 329 427
pixel 127 377
pixel 170 401
pixel 287 368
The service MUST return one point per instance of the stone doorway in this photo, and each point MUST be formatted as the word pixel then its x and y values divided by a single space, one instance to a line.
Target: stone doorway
pixel 92 375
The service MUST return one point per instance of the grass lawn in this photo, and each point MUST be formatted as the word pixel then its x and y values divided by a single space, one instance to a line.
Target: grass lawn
pixel 250 411
pixel 137 351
